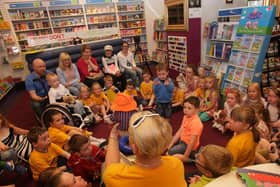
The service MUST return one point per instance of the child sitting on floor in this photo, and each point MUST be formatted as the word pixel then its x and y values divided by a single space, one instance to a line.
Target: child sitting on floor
pixel 200 90
pixel 146 88
pixel 109 89
pixel 86 159
pixel 244 142
pixel 187 138
pixel 253 95
pixel 101 102
pixel 190 80
pixel 273 106
pixel 212 161
pixel 45 154
pixel 178 97
pixel 210 103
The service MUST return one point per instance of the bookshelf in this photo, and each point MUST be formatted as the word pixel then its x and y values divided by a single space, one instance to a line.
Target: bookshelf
pixel 220 38
pixel 131 19
pixel 271 65
pixel 249 47
pixel 160 37
pixel 177 53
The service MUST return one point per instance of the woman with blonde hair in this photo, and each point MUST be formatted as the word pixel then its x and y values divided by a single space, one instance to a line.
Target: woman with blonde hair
pixel 149 137
pixel 68 74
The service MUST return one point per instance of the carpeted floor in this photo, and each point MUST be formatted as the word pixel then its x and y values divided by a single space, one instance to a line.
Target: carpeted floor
pixel 16 107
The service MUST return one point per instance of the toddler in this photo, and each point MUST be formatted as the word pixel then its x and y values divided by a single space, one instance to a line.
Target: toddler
pixel 200 90
pixel 243 144
pixel 45 154
pixel 86 159
pixel 130 89
pixel 162 91
pixel 253 95
pixel 187 138
pixel 212 161
pixel 146 87
pixel 101 102
pixel 210 102
pixel 110 90
pixel 178 96
pixel 58 93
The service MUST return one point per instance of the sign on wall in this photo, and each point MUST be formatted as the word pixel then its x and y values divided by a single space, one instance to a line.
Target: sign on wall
pixel 177 53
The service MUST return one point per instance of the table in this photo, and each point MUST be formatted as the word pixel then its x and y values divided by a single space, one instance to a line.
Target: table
pixel 231 179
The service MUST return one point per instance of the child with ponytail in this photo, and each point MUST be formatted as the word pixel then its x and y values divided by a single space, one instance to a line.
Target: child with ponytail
pixel 246 137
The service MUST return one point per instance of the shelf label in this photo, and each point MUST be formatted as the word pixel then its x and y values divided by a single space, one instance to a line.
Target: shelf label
pixel 64 2
pixel 231 12
pixel 35 4
pixel 98 1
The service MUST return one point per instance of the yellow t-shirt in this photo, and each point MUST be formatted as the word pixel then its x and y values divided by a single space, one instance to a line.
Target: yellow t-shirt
pixel 88 102
pixel 131 93
pixel 146 89
pixel 178 96
pixel 99 100
pixel 199 93
pixel 59 136
pixel 243 148
pixel 111 94
pixel 39 161
pixel 169 174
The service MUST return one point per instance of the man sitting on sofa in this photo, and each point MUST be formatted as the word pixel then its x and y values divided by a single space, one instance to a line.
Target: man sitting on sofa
pixel 37 86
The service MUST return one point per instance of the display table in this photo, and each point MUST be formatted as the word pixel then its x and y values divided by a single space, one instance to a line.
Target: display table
pixel 232 180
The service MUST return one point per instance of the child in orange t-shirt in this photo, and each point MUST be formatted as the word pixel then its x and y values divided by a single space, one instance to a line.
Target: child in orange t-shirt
pixel 187 138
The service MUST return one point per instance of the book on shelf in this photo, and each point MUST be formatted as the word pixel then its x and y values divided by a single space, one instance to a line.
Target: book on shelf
pixel 212 32
pixel 265 64
pixel 238 75
pixel 257 43
pixel 218 49
pixel 226 51
pixel 252 61
pixel 231 72
pixel 234 57
pixel 237 42
pixel 246 42
pixel 247 77
pixel 243 58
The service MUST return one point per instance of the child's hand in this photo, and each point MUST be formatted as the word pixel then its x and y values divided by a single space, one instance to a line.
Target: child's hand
pixel 182 157
pixel 166 82
pixel 114 132
pixel 194 179
pixel 3 147
pixel 156 82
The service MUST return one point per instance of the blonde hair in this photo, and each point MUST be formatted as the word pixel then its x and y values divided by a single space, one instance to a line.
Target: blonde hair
pixel 152 136
pixel 236 93
pixel 63 56
pixel 217 159
pixel 213 78
pixel 51 75
pixel 257 87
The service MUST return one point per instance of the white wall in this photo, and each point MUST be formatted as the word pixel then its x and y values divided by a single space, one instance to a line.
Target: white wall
pixel 209 13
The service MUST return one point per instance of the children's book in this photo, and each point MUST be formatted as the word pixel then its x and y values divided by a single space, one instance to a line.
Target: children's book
pixel 226 51
pixel 257 43
pixel 231 73
pixel 219 46
pixel 248 76
pixel 243 59
pixel 238 75
pixel 246 42
pixel 252 61
pixel 237 42
pixel 258 178
pixel 234 57
pixel 265 63
pixel 271 62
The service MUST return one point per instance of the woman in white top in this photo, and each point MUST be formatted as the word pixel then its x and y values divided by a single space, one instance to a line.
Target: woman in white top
pixel 128 65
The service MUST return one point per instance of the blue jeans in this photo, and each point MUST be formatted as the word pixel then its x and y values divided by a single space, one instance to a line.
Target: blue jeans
pixel 179 148
pixel 136 76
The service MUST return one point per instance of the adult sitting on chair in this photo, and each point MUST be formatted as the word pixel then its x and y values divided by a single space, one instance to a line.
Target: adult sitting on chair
pixel 37 86
pixel 128 65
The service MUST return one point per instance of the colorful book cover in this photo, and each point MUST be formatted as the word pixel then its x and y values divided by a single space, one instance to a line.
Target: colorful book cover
pixel 252 61
pixel 234 57
pixel 226 51
pixel 265 63
pixel 271 62
pixel 248 76
pixel 237 42
pixel 219 47
pixel 238 75
pixel 231 73
pixel 258 178
pixel 246 42
pixel 242 61
pixel 257 43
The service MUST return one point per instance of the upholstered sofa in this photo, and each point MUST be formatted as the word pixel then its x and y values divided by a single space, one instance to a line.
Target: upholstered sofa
pixel 51 56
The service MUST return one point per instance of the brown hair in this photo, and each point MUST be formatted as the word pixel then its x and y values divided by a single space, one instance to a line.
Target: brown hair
pixel 217 159
pixel 4 121
pixel 46 175
pixel 246 115
pixel 108 78
pixel 161 67
pixel 130 83
pixel 77 141
pixel 50 75
pixel 49 116
pixel 261 110
pixel 193 68
pixel 85 47
pixel 236 93
pixel 34 134
pixel 276 91
pixel 193 101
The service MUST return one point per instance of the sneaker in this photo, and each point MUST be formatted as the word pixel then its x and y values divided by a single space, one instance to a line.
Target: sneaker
pixel 108 120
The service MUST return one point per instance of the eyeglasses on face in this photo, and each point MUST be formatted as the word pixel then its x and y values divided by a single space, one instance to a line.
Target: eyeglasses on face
pixel 140 120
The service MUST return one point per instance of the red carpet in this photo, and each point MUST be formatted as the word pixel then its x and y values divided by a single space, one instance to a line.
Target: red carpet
pixel 16 107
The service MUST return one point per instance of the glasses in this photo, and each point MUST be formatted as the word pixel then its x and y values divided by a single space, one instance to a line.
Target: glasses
pixel 140 120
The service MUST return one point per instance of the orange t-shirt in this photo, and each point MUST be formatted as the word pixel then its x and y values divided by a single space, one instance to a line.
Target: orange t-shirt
pixel 191 126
